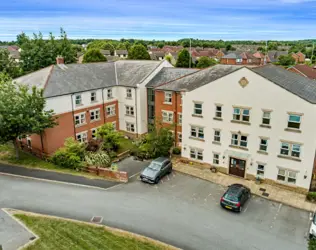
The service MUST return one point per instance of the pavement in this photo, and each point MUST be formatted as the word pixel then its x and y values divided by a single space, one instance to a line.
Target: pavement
pixel 181 210
pixel 12 234
pixel 128 165
pixel 274 193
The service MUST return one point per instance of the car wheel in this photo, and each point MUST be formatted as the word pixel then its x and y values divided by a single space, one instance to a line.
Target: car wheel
pixel 157 180
pixel 170 171
pixel 240 209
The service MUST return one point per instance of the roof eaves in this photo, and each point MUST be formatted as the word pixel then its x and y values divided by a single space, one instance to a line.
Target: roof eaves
pixel 48 77
pixel 293 67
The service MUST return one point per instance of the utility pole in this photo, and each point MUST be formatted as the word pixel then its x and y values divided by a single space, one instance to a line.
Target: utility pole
pixel 190 55
pixel 312 52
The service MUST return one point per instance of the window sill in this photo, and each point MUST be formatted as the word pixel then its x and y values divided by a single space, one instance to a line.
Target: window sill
pixel 197 139
pixel 262 152
pixel 289 158
pixel 92 121
pixel 217 118
pixel 167 103
pixel 295 130
pixel 110 115
pixel 79 105
pixel 265 126
pixel 132 132
pixel 96 101
pixel 216 143
pixel 129 115
pixel 239 147
pixel 80 125
pixel 167 122
pixel 110 98
pixel 129 98
pixel 199 116
pixel 241 122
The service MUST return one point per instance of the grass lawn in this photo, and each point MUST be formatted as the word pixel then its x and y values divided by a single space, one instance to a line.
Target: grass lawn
pixel 7 155
pixel 125 144
pixel 62 234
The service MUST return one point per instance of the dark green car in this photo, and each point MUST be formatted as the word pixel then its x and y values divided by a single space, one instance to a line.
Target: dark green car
pixel 157 169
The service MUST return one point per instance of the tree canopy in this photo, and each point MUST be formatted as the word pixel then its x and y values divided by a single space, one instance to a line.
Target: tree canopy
pixel 205 62
pixel 138 52
pixel 38 53
pixel 93 55
pixel 22 111
pixel 8 65
pixel 286 60
pixel 184 59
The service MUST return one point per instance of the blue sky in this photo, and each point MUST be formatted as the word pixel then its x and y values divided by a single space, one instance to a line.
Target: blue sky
pixel 162 19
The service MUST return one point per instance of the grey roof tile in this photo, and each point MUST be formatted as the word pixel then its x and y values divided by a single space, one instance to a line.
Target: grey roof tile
pixel 199 78
pixel 292 82
pixel 168 74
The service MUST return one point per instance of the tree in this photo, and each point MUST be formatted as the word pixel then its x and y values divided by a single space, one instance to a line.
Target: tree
pixel 184 59
pixel 93 55
pixel 121 46
pixel 8 65
pixel 109 136
pixel 108 46
pixel 205 62
pixel 21 111
pixel 228 47
pixel 156 143
pixel 286 60
pixel 65 48
pixel 169 58
pixel 138 52
pixel 160 45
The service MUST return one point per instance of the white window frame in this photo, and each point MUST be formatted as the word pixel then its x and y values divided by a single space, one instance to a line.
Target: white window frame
pixel 78 99
pixel 260 170
pixel 286 176
pixel 93 133
pixel 179 137
pixel 197 110
pixel 216 158
pixel 217 135
pixel 129 110
pixel 180 118
pixel 266 117
pixel 196 154
pixel 197 132
pixel 168 97
pixel 109 93
pixel 263 146
pixel 294 122
pixel 239 140
pixel 129 93
pixel 93 96
pixel 218 113
pixel 130 127
pixel 83 136
pixel 95 113
pixel 292 149
pixel 237 111
pixel 29 142
pixel 110 110
pixel 167 116
pixel 80 119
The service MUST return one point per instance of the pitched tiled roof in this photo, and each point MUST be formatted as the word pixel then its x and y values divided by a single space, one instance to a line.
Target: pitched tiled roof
pixel 305 70
pixel 168 74
pixel 232 56
pixel 292 82
pixel 199 78
pixel 66 79
pixel 105 52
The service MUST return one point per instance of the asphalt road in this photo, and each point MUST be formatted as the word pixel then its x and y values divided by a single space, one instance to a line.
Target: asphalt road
pixel 181 210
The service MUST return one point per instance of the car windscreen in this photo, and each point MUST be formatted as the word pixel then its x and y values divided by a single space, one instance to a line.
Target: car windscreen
pixel 231 196
pixel 154 166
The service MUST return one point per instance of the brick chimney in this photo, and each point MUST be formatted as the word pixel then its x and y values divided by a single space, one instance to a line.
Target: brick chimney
pixel 60 60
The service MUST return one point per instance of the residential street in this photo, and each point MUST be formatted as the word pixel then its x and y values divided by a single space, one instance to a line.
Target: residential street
pixel 181 210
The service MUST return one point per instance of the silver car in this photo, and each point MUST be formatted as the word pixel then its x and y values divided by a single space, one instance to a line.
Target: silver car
pixel 157 169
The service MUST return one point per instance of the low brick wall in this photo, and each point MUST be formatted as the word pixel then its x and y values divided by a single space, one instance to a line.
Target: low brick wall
pixel 108 173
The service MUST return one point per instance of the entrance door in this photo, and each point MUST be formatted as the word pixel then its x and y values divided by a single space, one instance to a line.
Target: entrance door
pixel 237 167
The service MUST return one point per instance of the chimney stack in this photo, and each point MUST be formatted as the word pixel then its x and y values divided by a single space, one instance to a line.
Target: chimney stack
pixel 60 60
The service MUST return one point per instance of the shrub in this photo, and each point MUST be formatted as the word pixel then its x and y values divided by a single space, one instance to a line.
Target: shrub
pixel 311 196
pixel 110 137
pixel 312 244
pixel 99 159
pixel 66 159
pixel 73 146
pixel 93 146
pixel 176 151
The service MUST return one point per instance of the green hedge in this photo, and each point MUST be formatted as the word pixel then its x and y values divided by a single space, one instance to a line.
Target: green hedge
pixel 311 196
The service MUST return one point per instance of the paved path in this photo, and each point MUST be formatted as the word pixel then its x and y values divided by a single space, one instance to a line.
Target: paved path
pixel 182 211
pixel 129 165
pixel 12 234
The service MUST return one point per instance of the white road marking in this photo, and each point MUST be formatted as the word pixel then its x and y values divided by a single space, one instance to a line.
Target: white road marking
pixel 279 207
pixel 135 175
pixel 209 194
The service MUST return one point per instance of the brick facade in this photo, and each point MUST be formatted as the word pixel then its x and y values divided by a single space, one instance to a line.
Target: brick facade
pixel 175 107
